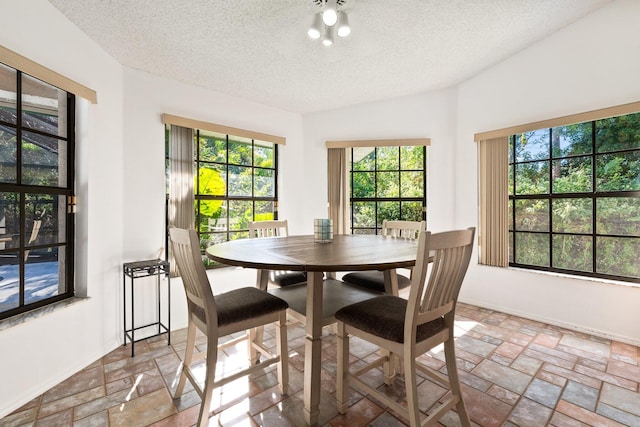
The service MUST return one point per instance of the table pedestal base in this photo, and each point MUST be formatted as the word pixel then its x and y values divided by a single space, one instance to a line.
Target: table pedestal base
pixel 312 376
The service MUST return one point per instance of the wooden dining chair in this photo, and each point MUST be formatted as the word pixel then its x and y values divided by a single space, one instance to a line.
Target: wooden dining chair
pixel 276 228
pixel 409 328
pixel 217 316
pixel 374 280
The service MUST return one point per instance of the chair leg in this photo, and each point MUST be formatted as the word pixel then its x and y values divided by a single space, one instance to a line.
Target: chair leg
pixel 207 391
pixel 255 336
pixel 333 329
pixel 188 357
pixel 454 381
pixel 282 351
pixel 262 282
pixel 388 367
pixel 411 388
pixel 252 342
pixel 342 368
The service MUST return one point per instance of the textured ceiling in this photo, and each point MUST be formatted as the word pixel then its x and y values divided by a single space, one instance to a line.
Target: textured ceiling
pixel 258 49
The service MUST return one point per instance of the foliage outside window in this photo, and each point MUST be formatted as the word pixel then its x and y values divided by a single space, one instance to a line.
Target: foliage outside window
pixel 386 183
pixel 36 181
pixel 235 182
pixel 574 198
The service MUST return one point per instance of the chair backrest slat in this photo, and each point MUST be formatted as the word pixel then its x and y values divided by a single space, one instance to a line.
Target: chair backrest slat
pixel 441 264
pixel 272 228
pixel 186 251
pixel 403 229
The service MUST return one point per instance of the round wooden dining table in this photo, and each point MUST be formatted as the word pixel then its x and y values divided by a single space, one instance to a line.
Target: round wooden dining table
pixel 354 252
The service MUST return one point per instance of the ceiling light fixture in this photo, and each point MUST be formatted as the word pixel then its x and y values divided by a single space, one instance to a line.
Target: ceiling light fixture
pixel 343 24
pixel 330 13
pixel 327 36
pixel 315 30
pixel 328 22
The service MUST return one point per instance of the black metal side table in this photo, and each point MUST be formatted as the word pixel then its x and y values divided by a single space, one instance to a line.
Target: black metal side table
pixel 134 270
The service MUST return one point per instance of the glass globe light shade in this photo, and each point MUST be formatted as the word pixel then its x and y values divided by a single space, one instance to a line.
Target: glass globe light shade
pixel 343 24
pixel 315 30
pixel 330 13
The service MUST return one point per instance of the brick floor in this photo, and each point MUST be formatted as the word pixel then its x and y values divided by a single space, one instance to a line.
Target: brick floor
pixel 514 372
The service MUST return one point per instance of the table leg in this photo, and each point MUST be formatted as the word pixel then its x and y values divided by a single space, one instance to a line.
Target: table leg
pixel 124 307
pixel 391 282
pixel 313 348
pixel 133 322
pixel 262 280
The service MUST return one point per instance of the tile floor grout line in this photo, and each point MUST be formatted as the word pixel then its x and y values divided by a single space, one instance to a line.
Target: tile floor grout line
pixel 615 370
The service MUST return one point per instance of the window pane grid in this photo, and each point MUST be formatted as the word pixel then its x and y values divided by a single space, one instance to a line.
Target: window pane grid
pixel 574 199
pixel 386 183
pixel 36 179
pixel 236 182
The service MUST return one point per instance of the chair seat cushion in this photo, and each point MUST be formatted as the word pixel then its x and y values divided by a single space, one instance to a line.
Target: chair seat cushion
pixel 289 278
pixel 384 316
pixel 241 304
pixel 373 280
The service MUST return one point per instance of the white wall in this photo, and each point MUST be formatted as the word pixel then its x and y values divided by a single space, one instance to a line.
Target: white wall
pixel 120 188
pixel 430 115
pixel 43 351
pixel 147 98
pixel 589 65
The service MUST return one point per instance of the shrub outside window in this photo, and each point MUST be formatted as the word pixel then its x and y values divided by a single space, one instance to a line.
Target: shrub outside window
pixel 574 198
pixel 235 182
pixel 386 183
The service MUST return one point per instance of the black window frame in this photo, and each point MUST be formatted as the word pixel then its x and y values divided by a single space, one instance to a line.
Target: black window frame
pixel 65 243
pixel 211 237
pixel 594 196
pixel 376 199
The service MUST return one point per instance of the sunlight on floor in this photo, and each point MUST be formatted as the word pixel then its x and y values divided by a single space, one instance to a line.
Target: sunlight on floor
pixel 461 328
pixel 131 392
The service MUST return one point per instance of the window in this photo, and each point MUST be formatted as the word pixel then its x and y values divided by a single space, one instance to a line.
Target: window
pixel 218 179
pixel 574 198
pixel 36 189
pixel 236 182
pixel 386 183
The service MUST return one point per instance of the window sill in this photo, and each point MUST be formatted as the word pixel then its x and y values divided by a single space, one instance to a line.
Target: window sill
pixel 21 318
pixel 576 277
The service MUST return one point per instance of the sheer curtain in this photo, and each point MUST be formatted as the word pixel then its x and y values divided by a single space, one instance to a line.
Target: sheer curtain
pixel 494 201
pixel 338 189
pixel 181 195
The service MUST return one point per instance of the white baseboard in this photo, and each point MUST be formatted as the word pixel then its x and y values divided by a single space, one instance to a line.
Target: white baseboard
pixel 555 322
pixel 28 395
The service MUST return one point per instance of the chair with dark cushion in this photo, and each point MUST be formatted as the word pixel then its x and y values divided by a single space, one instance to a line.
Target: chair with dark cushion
pixel 410 328
pixel 374 280
pixel 217 316
pixel 276 228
